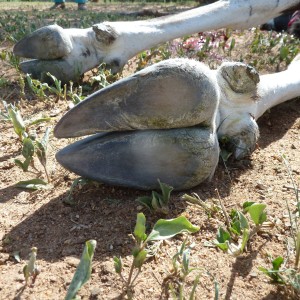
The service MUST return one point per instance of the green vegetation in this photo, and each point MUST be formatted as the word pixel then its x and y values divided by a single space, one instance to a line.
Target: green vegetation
pixel 30 270
pixel 238 233
pixel 162 230
pixel 158 202
pixel 83 271
pixel 30 145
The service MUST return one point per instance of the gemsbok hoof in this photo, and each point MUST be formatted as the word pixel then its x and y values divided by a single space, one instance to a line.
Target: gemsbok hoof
pixel 182 158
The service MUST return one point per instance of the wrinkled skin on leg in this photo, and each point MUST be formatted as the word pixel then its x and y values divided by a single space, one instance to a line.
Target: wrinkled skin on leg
pixel 246 96
pixel 236 123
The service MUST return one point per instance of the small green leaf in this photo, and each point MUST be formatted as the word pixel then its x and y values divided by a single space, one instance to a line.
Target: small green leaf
pixel 236 227
pixel 30 269
pixel 38 121
pixel 166 192
pixel 232 44
pixel 32 260
pixel 146 201
pixel 40 152
pixel 33 184
pixel 28 148
pixel 277 262
pixel 165 229
pixel 41 147
pixel 83 271
pixel 155 201
pixel 21 165
pixel 247 204
pixel 118 264
pixel 223 235
pixel 284 52
pixel 222 246
pixel 182 248
pixel 264 270
pixel 139 259
pixel 244 239
pixel 17 120
pixel 186 260
pixel 225 154
pixel 26 273
pixel 140 228
pixel 257 213
pixel 243 220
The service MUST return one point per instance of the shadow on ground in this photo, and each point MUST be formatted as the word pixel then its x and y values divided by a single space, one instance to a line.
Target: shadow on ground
pixel 108 214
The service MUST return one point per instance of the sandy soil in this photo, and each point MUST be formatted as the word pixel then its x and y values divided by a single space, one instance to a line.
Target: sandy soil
pixel 107 214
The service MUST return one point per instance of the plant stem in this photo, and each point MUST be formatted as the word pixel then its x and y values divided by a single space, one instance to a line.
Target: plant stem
pixel 181 290
pixel 122 277
pixel 255 230
pixel 297 246
pixel 135 277
pixel 192 294
pixel 128 284
pixel 48 178
pixel 224 211
pixel 196 201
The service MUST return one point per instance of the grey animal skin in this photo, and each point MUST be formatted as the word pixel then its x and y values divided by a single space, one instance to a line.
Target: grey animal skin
pixel 171 94
pixel 181 158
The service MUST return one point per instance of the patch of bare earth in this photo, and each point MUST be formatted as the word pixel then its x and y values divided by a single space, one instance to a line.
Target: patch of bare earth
pixel 107 214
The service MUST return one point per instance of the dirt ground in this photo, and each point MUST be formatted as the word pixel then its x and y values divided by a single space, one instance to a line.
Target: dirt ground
pixel 107 214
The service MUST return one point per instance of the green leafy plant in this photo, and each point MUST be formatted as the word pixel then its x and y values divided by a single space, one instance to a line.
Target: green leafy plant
pixel 153 55
pixel 38 148
pixel 286 48
pixel 83 271
pixel 279 274
pixel 274 273
pixel 3 82
pixel 13 114
pixel 162 230
pixel 158 202
pixel 41 150
pixel 9 58
pixel 239 229
pixel 76 94
pixel 104 77
pixel 21 127
pixel 27 152
pixel 57 88
pixel 181 269
pixel 30 270
pixel 37 87
pixel 30 146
